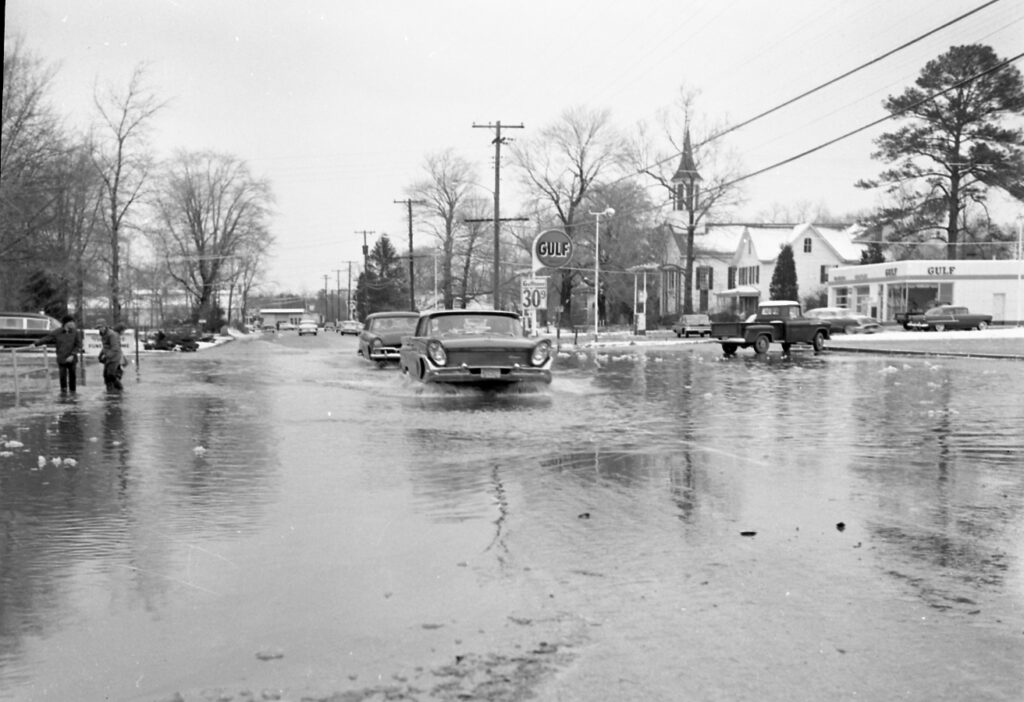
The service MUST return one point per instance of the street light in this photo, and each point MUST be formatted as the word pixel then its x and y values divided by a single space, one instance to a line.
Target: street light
pixel 608 212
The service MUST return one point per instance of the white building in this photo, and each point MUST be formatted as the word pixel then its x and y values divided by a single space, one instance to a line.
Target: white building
pixel 883 289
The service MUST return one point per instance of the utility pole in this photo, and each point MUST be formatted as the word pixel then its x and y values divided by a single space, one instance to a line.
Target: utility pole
pixel 337 295
pixel 327 300
pixel 348 297
pixel 497 280
pixel 366 257
pixel 408 202
pixel 366 249
pixel 498 141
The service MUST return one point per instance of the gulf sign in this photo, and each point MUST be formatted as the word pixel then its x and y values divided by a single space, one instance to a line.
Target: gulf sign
pixel 552 248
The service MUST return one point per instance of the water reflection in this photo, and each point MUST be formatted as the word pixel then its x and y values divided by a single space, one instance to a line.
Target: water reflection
pixel 123 488
pixel 628 480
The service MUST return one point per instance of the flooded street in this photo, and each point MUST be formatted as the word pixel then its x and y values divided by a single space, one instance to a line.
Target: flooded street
pixel 277 519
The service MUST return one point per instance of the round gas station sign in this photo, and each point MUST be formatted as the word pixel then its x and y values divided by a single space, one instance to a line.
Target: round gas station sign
pixel 553 248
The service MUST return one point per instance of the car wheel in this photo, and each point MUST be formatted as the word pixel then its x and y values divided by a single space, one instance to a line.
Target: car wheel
pixel 818 341
pixel 940 327
pixel 982 326
pixel 729 349
pixel 761 344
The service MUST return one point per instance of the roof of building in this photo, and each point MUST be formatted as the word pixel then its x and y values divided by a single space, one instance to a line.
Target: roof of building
pixel 768 240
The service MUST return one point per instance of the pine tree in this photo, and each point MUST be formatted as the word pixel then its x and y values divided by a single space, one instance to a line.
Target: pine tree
pixel 784 286
pixel 383 286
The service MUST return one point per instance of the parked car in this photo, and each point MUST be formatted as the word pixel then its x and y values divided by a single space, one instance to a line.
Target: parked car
pixel 286 326
pixel 381 336
pixel 864 325
pixel 308 326
pixel 22 328
pixel 476 347
pixel 946 317
pixel 350 326
pixel 840 318
pixel 696 324
pixel 330 327
pixel 182 338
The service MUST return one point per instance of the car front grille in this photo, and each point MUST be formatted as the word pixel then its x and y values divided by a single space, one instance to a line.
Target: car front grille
pixel 488 357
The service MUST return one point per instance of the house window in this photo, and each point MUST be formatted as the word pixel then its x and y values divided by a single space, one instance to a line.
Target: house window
pixel 704 278
pixel 732 277
pixel 824 273
pixel 807 245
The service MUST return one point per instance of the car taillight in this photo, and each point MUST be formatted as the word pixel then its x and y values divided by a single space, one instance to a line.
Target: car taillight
pixel 541 353
pixel 435 349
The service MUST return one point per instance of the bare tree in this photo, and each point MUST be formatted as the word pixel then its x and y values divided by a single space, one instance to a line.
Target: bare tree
pixel 449 182
pixel 123 161
pixel 212 213
pixel 30 145
pixel 658 156
pixel 561 164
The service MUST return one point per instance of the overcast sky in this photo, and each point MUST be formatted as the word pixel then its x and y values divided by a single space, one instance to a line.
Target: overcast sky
pixel 337 103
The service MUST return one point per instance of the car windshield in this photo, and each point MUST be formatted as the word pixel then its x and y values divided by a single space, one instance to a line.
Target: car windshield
pixel 474 325
pixel 393 324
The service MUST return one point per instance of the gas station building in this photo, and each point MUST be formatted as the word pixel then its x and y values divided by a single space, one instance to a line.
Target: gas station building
pixel 881 290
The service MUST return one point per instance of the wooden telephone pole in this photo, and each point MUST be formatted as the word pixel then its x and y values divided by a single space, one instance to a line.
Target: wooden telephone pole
pixel 412 292
pixel 498 141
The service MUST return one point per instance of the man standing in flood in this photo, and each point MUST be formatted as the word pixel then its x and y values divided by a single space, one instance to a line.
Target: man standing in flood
pixel 68 344
pixel 111 356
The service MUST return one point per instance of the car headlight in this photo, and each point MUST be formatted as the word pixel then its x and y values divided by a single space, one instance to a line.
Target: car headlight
pixel 541 353
pixel 435 349
pixel 376 343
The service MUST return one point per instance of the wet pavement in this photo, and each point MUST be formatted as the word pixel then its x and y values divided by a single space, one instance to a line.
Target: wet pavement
pixel 276 519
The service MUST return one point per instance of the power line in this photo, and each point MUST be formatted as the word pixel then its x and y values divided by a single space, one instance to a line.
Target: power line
pixel 874 123
pixel 822 86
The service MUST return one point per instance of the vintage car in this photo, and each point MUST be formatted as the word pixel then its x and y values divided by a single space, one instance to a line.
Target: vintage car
pixel 864 325
pixel 350 326
pixel 381 337
pixel 778 321
pixel 946 317
pixel 840 319
pixel 308 325
pixel 22 328
pixel 475 347
pixel 696 324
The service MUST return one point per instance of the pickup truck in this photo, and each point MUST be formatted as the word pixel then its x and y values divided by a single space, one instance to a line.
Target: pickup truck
pixel 946 317
pixel 779 321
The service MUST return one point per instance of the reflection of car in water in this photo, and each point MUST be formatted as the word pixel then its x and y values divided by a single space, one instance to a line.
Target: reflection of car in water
pixel 476 347
pixel 381 337
pixel 22 328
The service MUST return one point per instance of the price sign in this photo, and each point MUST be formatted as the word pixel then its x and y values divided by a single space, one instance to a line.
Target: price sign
pixel 535 293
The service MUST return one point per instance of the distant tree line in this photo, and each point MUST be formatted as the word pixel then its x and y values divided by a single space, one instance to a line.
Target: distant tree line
pixel 96 215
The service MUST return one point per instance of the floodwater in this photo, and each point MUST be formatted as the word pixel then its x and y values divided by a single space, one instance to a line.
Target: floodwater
pixel 277 519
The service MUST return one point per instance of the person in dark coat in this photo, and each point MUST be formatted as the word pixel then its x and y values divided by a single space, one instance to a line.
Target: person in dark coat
pixel 68 343
pixel 111 356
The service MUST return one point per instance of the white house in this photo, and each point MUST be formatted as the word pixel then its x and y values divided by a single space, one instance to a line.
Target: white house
pixel 816 250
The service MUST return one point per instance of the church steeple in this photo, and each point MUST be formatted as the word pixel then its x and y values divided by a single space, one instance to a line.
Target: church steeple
pixel 686 181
